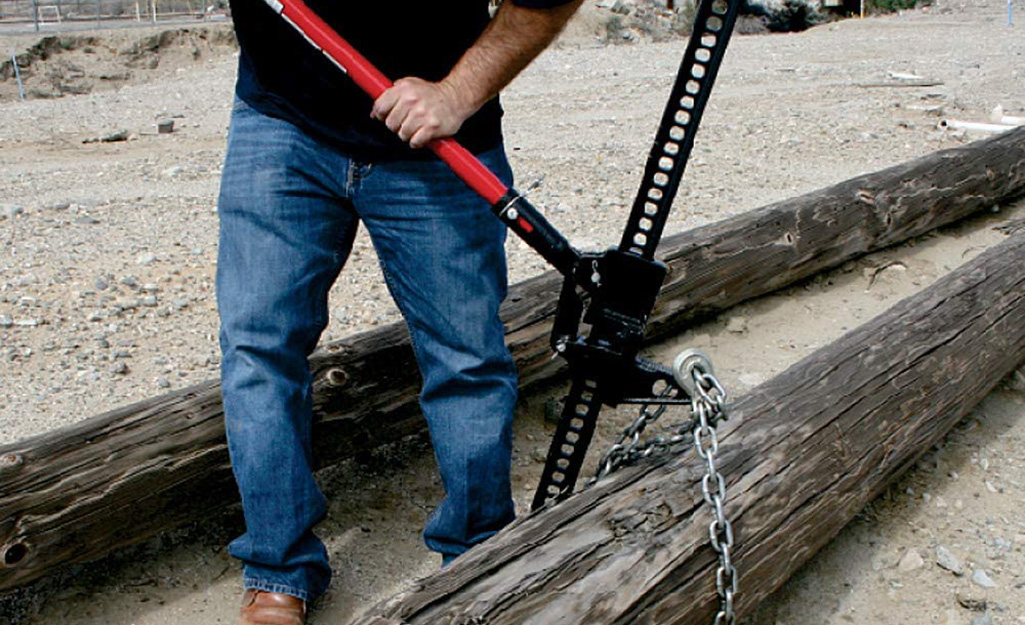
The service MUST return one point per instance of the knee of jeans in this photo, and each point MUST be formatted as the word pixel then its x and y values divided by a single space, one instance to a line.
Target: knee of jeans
pixel 269 322
pixel 470 374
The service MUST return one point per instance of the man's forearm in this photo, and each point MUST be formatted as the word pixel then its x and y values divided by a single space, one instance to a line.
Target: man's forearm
pixel 420 111
pixel 511 41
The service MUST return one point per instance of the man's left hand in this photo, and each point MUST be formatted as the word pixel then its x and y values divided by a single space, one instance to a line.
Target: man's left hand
pixel 420 111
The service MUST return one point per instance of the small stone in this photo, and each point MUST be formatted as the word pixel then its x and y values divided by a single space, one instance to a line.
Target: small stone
pixel 911 561
pixel 985 619
pixel 163 383
pixel 146 258
pixel 179 303
pixel 969 602
pixel 58 206
pixel 10 211
pixel 149 301
pixel 95 316
pixel 947 560
pixel 5 321
pixel 982 579
pixel 991 488
pixel 121 368
pixel 114 137
pixel 101 284
pixel 737 325
pixel 27 323
pixel 86 220
pixel 104 343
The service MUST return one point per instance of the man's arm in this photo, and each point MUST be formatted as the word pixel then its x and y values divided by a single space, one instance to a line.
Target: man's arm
pixel 420 111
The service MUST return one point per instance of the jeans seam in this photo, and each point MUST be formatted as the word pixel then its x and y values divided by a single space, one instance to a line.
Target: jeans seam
pixel 389 280
pixel 252 583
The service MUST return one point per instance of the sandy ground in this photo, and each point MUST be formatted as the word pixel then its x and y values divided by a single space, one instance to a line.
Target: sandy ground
pixel 107 257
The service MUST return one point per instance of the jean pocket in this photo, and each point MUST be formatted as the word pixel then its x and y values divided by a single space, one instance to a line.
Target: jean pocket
pixel 239 106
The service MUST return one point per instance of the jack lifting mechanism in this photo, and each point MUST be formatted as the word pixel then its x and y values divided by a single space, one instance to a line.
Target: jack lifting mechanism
pixel 612 293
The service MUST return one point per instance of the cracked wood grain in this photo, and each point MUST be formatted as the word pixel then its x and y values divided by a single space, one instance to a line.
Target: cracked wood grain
pixel 77 493
pixel 802 454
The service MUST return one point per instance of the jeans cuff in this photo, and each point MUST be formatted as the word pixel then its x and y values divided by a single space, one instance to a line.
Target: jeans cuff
pixel 251 583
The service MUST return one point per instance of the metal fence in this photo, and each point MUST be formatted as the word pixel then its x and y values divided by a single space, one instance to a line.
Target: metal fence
pixel 46 14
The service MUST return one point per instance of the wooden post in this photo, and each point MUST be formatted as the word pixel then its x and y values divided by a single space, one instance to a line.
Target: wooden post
pixel 121 477
pixel 802 454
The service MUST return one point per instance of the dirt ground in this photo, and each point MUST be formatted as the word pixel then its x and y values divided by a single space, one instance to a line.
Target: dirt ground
pixel 107 255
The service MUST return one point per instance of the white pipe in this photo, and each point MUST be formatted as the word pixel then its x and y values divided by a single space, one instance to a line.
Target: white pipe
pixel 953 124
pixel 1009 120
pixel 998 117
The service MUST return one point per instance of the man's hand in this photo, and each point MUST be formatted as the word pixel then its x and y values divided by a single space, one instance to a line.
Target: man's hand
pixel 420 111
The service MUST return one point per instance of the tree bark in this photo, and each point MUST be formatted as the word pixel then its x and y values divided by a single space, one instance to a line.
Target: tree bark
pixel 801 454
pixel 77 493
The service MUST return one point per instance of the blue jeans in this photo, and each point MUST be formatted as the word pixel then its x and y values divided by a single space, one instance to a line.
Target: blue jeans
pixel 289 209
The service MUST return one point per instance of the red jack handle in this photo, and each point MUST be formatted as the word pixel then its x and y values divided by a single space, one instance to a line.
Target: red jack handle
pixel 512 208
pixel 374 83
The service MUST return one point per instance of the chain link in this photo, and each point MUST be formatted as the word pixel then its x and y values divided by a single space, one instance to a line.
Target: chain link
pixel 708 408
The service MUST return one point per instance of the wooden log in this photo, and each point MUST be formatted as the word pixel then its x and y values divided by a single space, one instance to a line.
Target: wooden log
pixel 77 493
pixel 801 454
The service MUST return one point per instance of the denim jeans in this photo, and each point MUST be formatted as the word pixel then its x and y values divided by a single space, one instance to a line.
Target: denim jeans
pixel 289 209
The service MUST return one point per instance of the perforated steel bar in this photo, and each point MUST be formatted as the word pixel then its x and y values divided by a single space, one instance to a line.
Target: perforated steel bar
pixel 572 438
pixel 675 137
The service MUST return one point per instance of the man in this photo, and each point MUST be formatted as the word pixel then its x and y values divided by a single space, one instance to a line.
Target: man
pixel 308 159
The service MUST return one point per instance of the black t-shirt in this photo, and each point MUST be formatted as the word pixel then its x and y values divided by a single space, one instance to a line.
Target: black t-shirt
pixel 280 74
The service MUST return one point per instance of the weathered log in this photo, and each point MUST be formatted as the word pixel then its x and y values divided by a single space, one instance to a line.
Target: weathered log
pixel 77 493
pixel 802 454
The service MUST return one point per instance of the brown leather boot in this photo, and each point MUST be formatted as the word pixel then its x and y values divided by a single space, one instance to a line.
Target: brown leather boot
pixel 271 608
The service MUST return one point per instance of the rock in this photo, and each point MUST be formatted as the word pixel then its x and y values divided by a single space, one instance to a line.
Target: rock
pixel 948 561
pixel 129 281
pixel 163 383
pixel 171 172
pixel 121 368
pixel 982 579
pixel 146 258
pixel 10 211
pixel 968 602
pixel 27 323
pixel 737 325
pixel 101 284
pixel 5 321
pixel 86 220
pixel 985 619
pixel 911 561
pixel 622 8
pixel 150 301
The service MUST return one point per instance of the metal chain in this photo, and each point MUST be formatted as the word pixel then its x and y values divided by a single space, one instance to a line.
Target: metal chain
pixel 623 453
pixel 708 408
